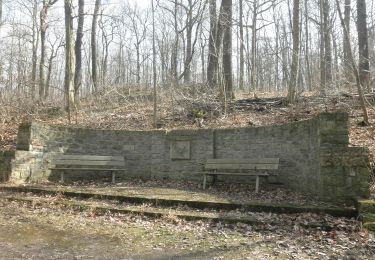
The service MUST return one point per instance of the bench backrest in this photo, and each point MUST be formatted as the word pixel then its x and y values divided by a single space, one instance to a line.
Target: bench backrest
pixel 88 160
pixel 242 164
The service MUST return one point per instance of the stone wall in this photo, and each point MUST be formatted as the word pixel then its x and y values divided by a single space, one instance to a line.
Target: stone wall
pixel 314 154
pixel 5 162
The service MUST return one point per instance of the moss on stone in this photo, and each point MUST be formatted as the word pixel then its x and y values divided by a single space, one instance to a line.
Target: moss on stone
pixel 369 226
pixel 366 206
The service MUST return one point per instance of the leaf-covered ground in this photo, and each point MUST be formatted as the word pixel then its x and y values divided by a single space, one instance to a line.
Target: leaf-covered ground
pixel 36 232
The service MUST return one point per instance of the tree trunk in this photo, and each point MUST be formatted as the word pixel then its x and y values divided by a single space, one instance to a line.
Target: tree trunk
pixel 94 62
pixel 227 48
pixel 35 44
pixel 322 49
pixel 307 47
pixel 154 66
pixel 354 66
pixel 174 58
pixel 69 57
pixel 295 58
pixel 43 30
pixel 327 44
pixel 78 50
pixel 364 61
pixel 242 47
pixel 253 80
pixel 347 68
pixel 189 33
pixel 212 52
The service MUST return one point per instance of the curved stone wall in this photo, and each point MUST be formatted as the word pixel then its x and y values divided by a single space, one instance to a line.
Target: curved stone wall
pixel 314 154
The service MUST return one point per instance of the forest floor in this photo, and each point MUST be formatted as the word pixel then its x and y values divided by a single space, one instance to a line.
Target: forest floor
pixel 53 232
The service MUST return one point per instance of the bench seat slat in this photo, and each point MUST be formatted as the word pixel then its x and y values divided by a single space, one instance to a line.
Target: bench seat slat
pixel 248 166
pixel 90 158
pixel 238 173
pixel 85 162
pixel 86 169
pixel 244 161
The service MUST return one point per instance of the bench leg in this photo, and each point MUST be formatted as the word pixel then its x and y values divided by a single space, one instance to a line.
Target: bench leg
pixel 113 177
pixel 257 184
pixel 204 181
pixel 62 177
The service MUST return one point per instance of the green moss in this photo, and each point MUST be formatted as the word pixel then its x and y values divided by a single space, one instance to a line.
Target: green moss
pixel 366 206
pixel 368 218
pixel 369 226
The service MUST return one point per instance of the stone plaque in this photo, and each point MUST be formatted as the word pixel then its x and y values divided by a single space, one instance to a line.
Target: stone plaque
pixel 180 150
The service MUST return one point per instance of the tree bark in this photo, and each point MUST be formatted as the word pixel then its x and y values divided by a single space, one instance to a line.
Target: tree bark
pixel 253 77
pixel 322 49
pixel 43 31
pixel 327 44
pixel 364 61
pixel 347 68
pixel 354 66
pixel 94 62
pixel 189 35
pixel 78 50
pixel 307 52
pixel 295 57
pixel 242 46
pixel 69 56
pixel 227 48
pixel 212 51
pixel 35 44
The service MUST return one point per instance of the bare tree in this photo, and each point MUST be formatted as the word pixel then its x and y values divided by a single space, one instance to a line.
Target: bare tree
pixel 212 51
pixel 69 56
pixel 78 49
pixel 242 46
pixel 347 69
pixel 94 61
pixel 227 48
pixel 295 58
pixel 354 66
pixel 43 31
pixel 364 61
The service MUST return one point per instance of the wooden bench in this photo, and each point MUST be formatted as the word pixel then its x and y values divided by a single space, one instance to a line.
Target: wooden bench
pixel 244 167
pixel 71 163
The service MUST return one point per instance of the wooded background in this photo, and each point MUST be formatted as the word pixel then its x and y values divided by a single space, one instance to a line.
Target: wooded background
pixel 51 49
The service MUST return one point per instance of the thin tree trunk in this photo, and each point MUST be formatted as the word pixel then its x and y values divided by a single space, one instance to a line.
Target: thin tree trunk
pixel 189 33
pixel 43 31
pixel 364 61
pixel 347 68
pixel 78 50
pixel 94 61
pixel 253 80
pixel 69 57
pixel 295 58
pixel 242 47
pixel 322 50
pixel 154 65
pixel 212 52
pixel 227 48
pixel 354 66
pixel 35 44
pixel 327 44
pixel 307 48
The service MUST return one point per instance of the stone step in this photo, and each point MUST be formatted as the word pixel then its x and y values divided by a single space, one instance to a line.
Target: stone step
pixel 369 217
pixel 366 206
pixel 369 226
pixel 261 220
pixel 194 204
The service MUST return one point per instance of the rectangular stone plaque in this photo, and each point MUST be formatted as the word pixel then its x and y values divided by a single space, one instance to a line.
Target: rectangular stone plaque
pixel 180 150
